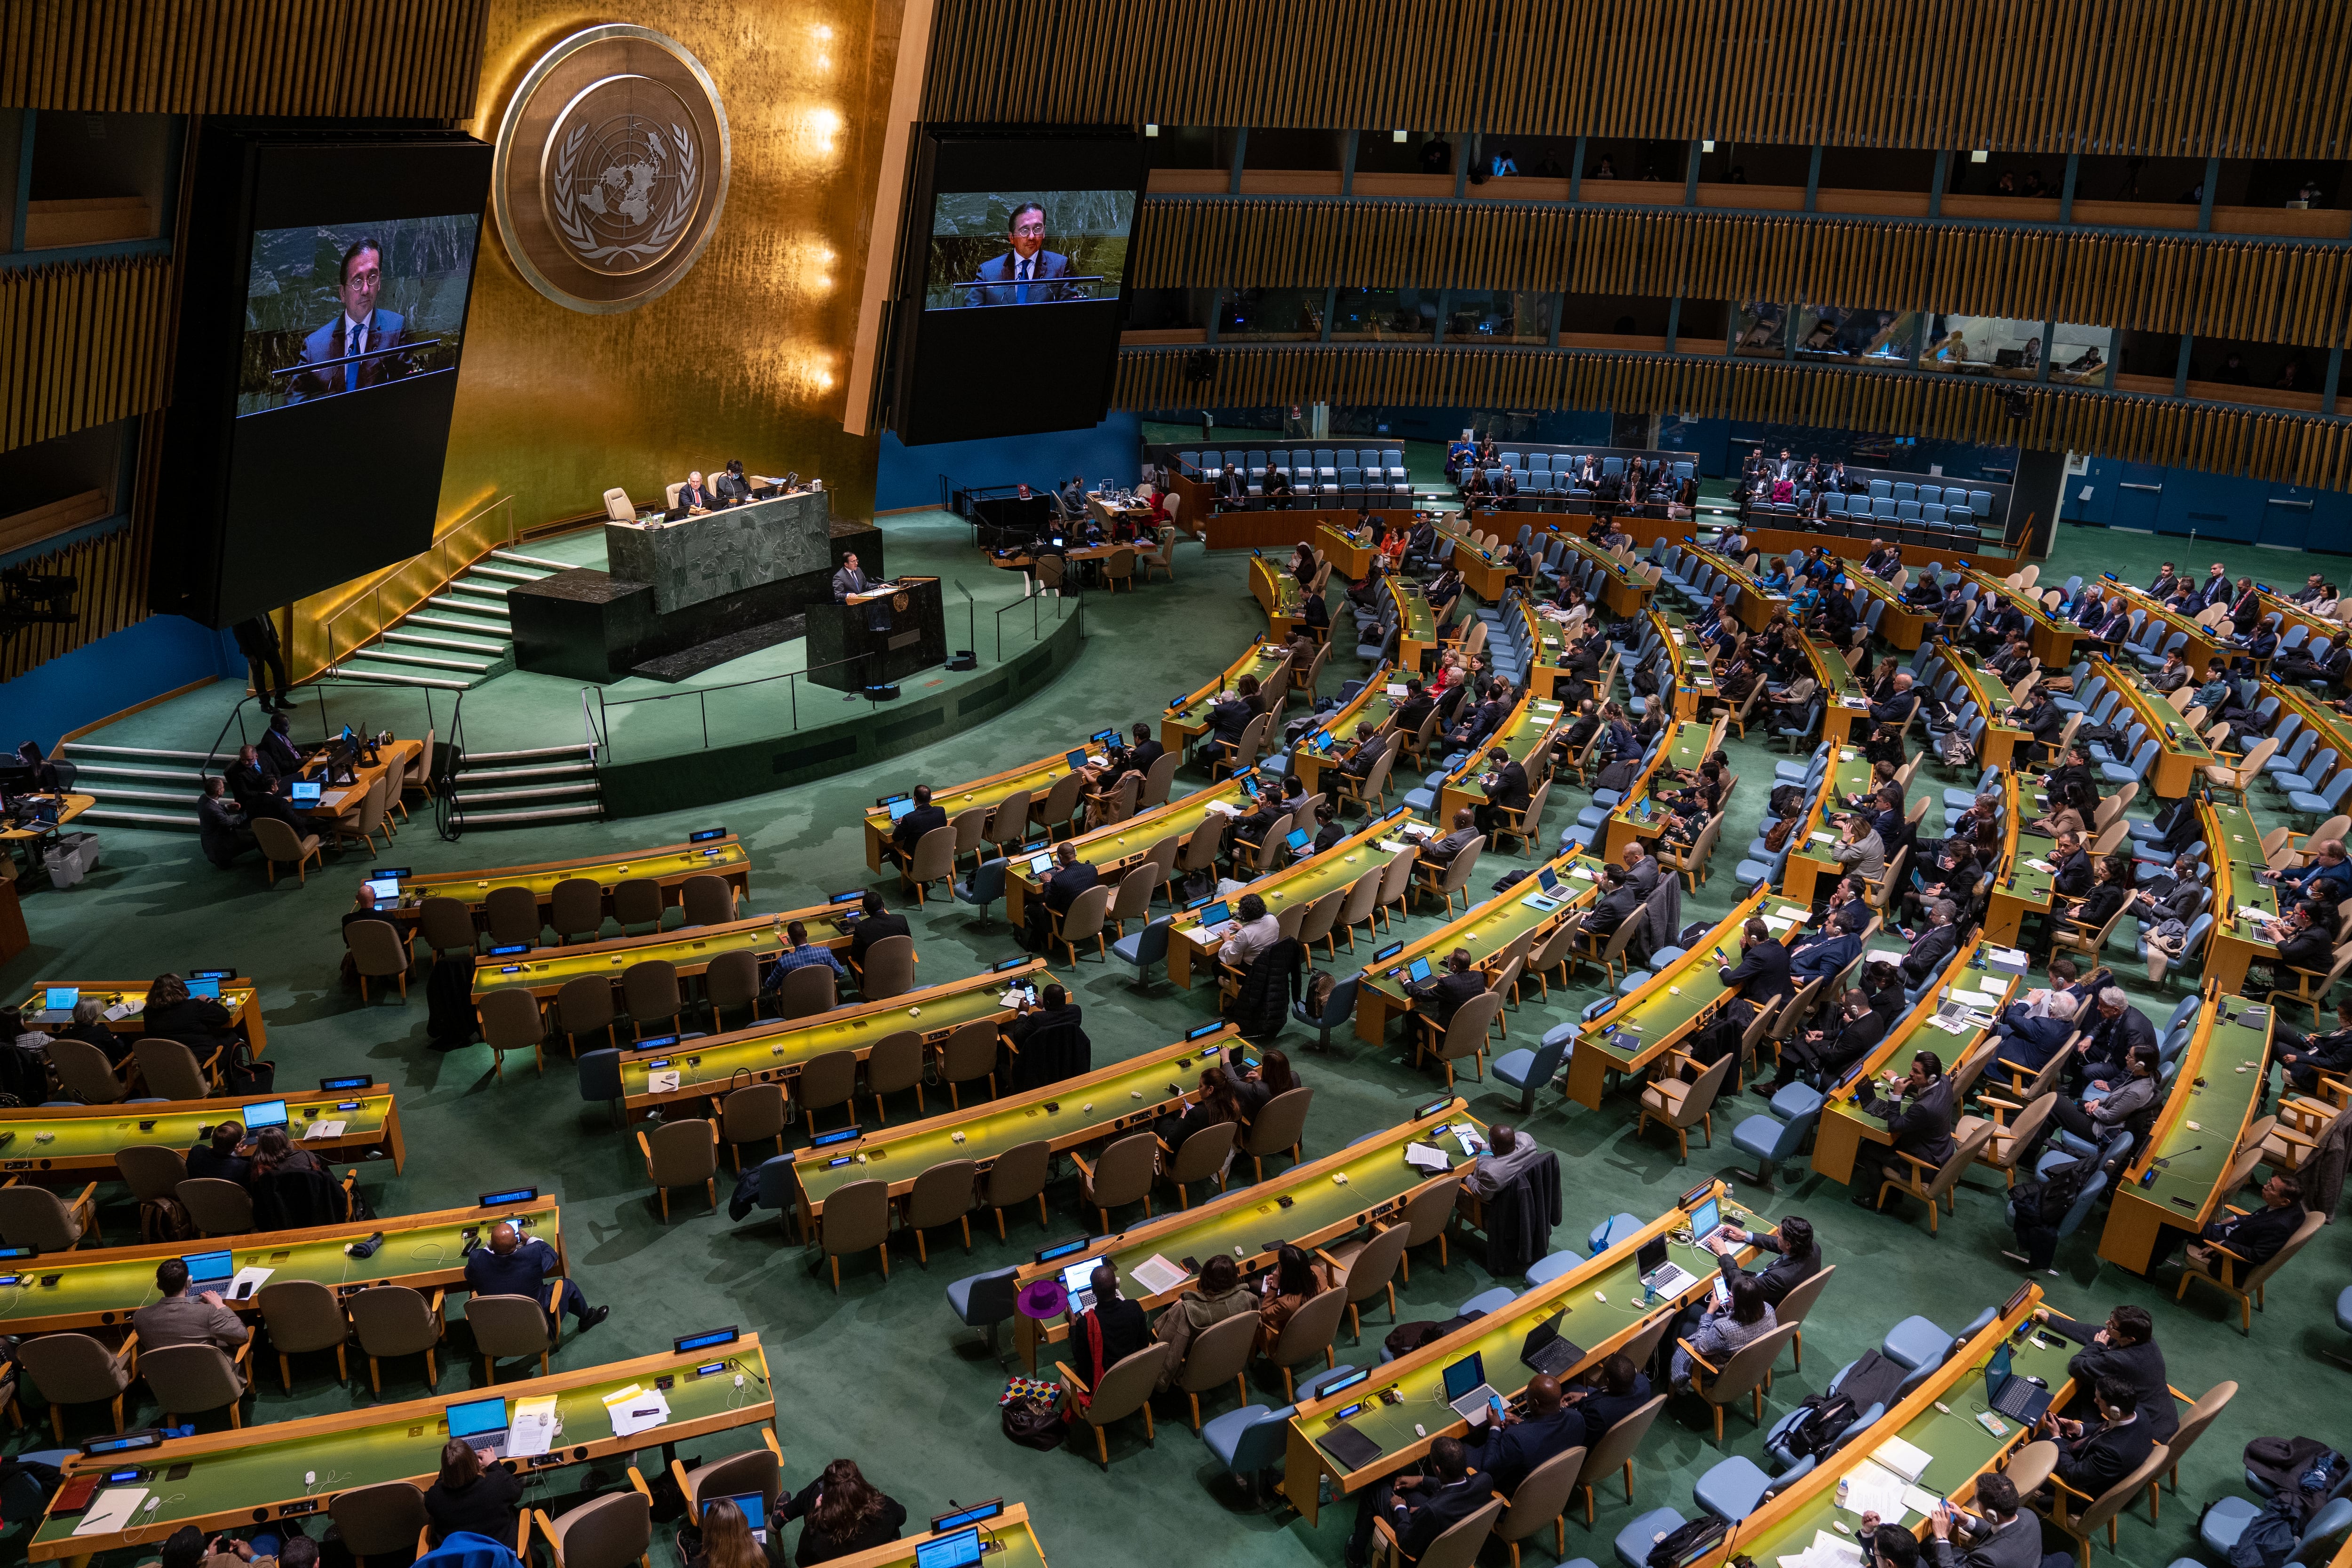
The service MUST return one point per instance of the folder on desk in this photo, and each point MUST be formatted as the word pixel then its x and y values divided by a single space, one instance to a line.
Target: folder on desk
pixel 1350 1446
pixel 111 1510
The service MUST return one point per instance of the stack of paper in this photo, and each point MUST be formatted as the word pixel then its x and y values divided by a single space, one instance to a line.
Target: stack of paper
pixel 533 1429
pixel 1826 1550
pixel 1422 1157
pixel 1159 1276
pixel 635 1409
pixel 1904 1458
pixel 1872 1487
pixel 325 1128
pixel 111 1510
pixel 1987 999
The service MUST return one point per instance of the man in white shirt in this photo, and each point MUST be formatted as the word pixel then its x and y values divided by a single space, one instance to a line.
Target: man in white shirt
pixel 359 328
pixel 1258 931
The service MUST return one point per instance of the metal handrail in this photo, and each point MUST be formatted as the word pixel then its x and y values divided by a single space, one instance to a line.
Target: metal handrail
pixel 318 685
pixel 444 574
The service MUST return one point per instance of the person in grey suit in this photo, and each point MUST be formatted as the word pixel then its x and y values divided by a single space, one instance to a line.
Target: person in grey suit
pixel 180 1319
pixel 1020 276
pixel 359 328
pixel 851 579
pixel 1999 1537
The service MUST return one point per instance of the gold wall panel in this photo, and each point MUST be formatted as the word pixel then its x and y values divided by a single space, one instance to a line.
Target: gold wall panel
pixel 81 344
pixel 392 58
pixel 747 356
pixel 2169 78
pixel 2282 447
pixel 2273 291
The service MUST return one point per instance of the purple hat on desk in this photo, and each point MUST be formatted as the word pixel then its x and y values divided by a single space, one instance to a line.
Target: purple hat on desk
pixel 1042 1299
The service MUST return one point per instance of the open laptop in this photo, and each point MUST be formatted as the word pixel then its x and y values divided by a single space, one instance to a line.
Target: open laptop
pixel 264 1113
pixel 1467 1389
pixel 384 891
pixel 1659 1275
pixel 2009 1393
pixel 755 1512
pixel 1078 759
pixel 1216 919
pixel 1078 1280
pixel 960 1549
pixel 207 989
pixel 1040 863
pixel 1545 1352
pixel 1297 842
pixel 209 1271
pixel 304 792
pixel 482 1422
pixel 899 808
pixel 58 1003
pixel 1705 1219
pixel 1546 895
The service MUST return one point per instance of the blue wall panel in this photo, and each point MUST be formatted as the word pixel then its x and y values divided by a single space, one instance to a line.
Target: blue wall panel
pixel 910 475
pixel 159 654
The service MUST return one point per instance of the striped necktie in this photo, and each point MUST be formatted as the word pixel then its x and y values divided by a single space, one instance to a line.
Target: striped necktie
pixel 358 345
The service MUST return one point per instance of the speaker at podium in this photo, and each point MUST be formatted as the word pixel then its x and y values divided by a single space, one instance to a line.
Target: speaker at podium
pixel 877 638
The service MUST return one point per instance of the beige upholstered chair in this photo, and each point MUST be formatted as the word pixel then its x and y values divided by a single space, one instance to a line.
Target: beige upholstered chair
pixel 1121 1176
pixel 583 1006
pixel 1018 1176
pixel 752 1114
pixel 827 1082
pixel 1124 1389
pixel 509 1328
pixel 1617 1447
pixel 639 902
pixel 1748 1373
pixel 394 1321
pixel 856 1218
pixel 512 916
pixel 378 952
pixel 577 908
pixel 385 1519
pixel 1307 1334
pixel 649 990
pixel 188 1379
pixel 944 1193
pixel 1682 1104
pixel 759 1469
pixel 512 1022
pixel 84 1073
pixel 611 1531
pixel 968 1056
pixel 1218 1355
pixel 618 507
pixel 708 899
pixel 1457 1547
pixel 171 1069
pixel 74 1369
pixel 302 1316
pixel 1542 1498
pixel 894 1066
pixel 1367 1268
pixel 680 1153
pixel 218 1207
pixel 889 969
pixel 36 1218
pixel 731 981
pixel 282 846
pixel 1277 1129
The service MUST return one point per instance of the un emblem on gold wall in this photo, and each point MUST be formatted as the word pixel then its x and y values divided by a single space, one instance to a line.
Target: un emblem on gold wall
pixel 611 168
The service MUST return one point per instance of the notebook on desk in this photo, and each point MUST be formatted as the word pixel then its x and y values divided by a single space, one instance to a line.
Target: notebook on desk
pixel 1350 1446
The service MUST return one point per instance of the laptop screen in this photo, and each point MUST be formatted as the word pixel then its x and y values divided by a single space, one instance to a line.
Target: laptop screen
pixel 477 1416
pixel 1216 914
pixel 1076 759
pixel 899 808
pixel 1650 1255
pixel 1997 1369
pixel 1547 880
pixel 1464 1375
pixel 204 1266
pixel 1040 863
pixel 209 989
pixel 60 998
pixel 1079 1277
pixel 1705 1219
pixel 304 792
pixel 1298 839
pixel 754 1506
pixel 958 1550
pixel 264 1113
pixel 383 888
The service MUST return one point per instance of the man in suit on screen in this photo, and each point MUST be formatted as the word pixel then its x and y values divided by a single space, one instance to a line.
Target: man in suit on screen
pixel 358 329
pixel 1019 276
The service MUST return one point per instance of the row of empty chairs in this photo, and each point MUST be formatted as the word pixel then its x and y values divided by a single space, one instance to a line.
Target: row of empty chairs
pixel 1376 468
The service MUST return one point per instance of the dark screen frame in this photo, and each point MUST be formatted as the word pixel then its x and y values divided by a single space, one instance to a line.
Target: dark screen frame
pixel 256 513
pixel 962 375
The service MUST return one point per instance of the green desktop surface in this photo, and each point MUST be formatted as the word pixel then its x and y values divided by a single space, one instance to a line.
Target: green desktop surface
pixel 97 1133
pixel 708 1066
pixel 1262 662
pixel 1521 736
pixel 719 859
pixel 1493 925
pixel 269 1466
pixel 1691 987
pixel 2214 1094
pixel 1066 1109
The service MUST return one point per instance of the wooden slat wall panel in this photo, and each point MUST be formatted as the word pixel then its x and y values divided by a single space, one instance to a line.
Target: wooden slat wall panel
pixel 2169 78
pixel 81 344
pixel 414 59
pixel 2276 292
pixel 111 594
pixel 2280 447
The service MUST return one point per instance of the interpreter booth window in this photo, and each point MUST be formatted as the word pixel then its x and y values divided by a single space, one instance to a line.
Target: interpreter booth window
pixel 2082 356
pixel 1498 316
pixel 1997 346
pixel 1384 315
pixel 1839 336
pixel 1271 315
pixel 1760 330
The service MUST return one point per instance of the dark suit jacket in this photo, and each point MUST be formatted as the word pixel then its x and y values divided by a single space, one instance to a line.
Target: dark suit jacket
pixel 1602 1410
pixel 386 330
pixel 2102 1456
pixel 2255 1237
pixel 874 928
pixel 2017 1544
pixel 2142 1366
pixel 1065 883
pixel 727 487
pixel 1824 956
pixel 912 827
pixel 2073 874
pixel 1613 911
pixel 1784 1273
pixel 2031 1042
pixel 1445 994
pixel 1000 270
pixel 845 581
pixel 1762 973
pixel 1509 1455
pixel 1930 950
pixel 1510 787
pixel 1436 1509
pixel 1923 1128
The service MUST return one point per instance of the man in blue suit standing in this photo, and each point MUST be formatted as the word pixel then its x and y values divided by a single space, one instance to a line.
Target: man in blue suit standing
pixel 1019 276
pixel 359 328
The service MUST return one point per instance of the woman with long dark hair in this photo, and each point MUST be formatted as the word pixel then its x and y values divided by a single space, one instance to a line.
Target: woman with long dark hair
pixel 274 1152
pixel 846 1513
pixel 474 1493
pixel 1297 1278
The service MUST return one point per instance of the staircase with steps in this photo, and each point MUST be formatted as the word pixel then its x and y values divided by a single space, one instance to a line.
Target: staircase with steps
pixel 140 788
pixel 457 639
pixel 507 789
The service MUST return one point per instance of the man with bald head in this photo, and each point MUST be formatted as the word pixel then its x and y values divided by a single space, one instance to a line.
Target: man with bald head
pixel 1548 1427
pixel 510 1265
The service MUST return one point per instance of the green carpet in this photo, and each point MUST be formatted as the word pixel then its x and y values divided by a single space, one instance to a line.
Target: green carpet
pixel 882 1371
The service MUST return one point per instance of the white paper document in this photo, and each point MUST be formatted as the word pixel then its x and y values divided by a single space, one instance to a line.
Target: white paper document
pixel 662 1082
pixel 111 1510
pixel 252 1274
pixel 1874 1489
pixel 1825 1550
pixel 1905 1459
pixel 636 1410
pixel 326 1129
pixel 1988 1000
pixel 1159 1276
pixel 1426 1157
pixel 533 1428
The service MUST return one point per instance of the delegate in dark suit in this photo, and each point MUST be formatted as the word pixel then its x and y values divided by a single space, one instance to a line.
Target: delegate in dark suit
pixel 910 828
pixel 1508 1457
pixel 2017 1544
pixel 1824 956
pixel 1063 884
pixel 1923 1129
pixel 1931 950
pixel 383 330
pixel 2093 1463
pixel 852 580
pixel 874 928
pixel 1011 288
pixel 522 1269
